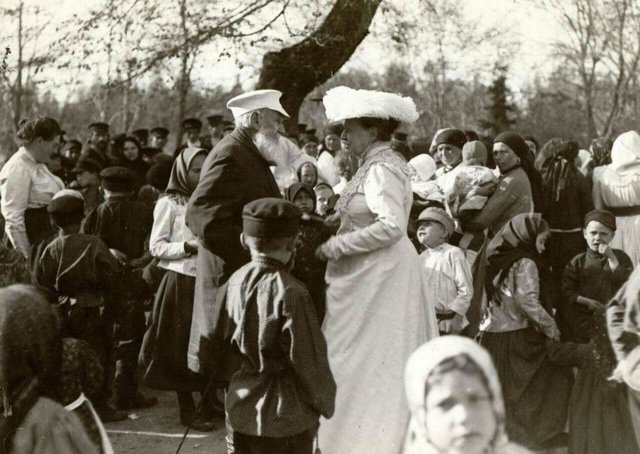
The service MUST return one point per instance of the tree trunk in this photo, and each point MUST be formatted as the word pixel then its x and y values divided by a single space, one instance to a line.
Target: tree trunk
pixel 298 69
pixel 17 113
pixel 183 80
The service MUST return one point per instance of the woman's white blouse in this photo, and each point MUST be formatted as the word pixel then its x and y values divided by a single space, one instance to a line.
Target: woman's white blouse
pixel 24 184
pixel 168 236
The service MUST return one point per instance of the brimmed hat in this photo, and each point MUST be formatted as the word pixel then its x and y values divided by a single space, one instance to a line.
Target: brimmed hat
pixel 440 216
pixel 254 100
pixel 98 125
pixel 159 131
pixel 191 123
pixel 343 103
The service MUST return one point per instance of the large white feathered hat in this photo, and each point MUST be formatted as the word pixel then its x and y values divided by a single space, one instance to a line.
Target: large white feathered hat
pixel 342 103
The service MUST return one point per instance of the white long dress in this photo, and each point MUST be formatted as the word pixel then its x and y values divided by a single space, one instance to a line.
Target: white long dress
pixel 377 310
pixel 612 190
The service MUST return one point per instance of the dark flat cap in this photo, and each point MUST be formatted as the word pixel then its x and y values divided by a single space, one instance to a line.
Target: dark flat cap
pixel 141 134
pixel 604 217
pixel 191 123
pixel 453 137
pixel 86 165
pixel 159 131
pixel 66 210
pixel 117 179
pixel 98 125
pixel 270 218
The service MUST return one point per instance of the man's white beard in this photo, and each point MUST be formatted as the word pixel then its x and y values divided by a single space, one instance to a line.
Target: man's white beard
pixel 270 148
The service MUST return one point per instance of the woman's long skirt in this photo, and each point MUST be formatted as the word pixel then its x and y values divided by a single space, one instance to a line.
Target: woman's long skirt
pixel 536 392
pixel 165 345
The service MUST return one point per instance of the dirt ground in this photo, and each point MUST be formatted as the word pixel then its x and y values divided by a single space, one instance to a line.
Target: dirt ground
pixel 157 430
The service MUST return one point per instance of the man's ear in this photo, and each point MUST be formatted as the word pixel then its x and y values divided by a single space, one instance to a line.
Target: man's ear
pixel 256 120
pixel 243 242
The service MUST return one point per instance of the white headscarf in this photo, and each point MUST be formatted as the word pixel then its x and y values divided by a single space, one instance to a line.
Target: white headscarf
pixel 625 154
pixel 422 168
pixel 422 363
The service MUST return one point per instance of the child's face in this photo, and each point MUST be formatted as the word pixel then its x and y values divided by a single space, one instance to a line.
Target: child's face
pixel 195 168
pixel 303 201
pixel 130 151
pixel 431 234
pixel 597 234
pixel 449 154
pixel 541 241
pixel 308 175
pixel 459 413
pixel 323 195
pixel 310 148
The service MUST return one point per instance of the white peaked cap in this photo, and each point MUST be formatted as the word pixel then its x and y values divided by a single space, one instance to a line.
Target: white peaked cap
pixel 342 103
pixel 254 100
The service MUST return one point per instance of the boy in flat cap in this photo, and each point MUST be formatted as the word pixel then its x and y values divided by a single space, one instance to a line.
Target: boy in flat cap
pixel 80 275
pixel 284 383
pixel 592 278
pixel 124 225
pixel 447 271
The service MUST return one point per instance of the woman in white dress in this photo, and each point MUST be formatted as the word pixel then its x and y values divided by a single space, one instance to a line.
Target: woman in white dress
pixel 616 187
pixel 377 307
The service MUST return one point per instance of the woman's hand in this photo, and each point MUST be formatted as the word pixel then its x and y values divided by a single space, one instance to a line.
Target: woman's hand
pixel 191 247
pixel 320 255
pixel 589 302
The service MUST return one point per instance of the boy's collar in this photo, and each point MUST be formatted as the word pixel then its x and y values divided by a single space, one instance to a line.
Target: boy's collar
pixel 266 260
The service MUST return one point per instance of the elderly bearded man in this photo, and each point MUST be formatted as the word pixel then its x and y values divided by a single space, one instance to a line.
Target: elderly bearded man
pixel 235 173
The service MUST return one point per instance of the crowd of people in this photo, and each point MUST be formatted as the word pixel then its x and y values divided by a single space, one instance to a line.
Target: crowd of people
pixel 351 293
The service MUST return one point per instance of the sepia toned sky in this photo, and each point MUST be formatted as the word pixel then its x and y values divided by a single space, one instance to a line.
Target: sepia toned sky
pixel 520 21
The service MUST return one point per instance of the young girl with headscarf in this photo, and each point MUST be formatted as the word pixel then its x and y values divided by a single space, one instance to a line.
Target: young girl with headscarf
pixel 164 350
pixel 516 329
pixel 455 399
pixel 313 233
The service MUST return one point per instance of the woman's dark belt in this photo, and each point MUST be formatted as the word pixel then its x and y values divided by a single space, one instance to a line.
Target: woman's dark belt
pixel 621 212
pixel 37 224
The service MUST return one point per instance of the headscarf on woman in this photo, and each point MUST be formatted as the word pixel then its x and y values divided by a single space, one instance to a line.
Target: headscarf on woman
pixel 179 183
pixel 520 148
pixel 138 165
pixel 560 172
pixel 625 154
pixel 422 168
pixel 515 241
pixel 546 153
pixel 422 363
pixel 30 354
pixel 474 153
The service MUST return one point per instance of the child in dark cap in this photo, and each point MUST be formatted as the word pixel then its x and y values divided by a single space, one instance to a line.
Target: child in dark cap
pixel 275 399
pixel 124 225
pixel 78 273
pixel 592 278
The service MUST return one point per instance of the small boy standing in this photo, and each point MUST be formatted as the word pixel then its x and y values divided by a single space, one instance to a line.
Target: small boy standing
pixel 77 271
pixel 124 225
pixel 592 278
pixel 448 274
pixel 275 399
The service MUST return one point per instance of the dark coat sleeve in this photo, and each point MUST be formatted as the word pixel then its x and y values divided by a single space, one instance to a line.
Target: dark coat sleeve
pixel 214 211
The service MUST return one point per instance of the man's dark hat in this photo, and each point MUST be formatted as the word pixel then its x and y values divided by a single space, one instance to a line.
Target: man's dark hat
pixel 159 131
pixel 117 179
pixel 191 123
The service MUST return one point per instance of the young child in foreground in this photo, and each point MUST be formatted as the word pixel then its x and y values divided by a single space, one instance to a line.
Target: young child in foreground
pixel 447 270
pixel 592 278
pixel 275 399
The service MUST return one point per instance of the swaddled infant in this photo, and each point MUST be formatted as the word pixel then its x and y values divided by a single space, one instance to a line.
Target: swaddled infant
pixel 474 183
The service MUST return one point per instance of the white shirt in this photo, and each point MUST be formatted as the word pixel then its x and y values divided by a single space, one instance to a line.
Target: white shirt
pixel 327 170
pixel 448 278
pixel 24 184
pixel 168 236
